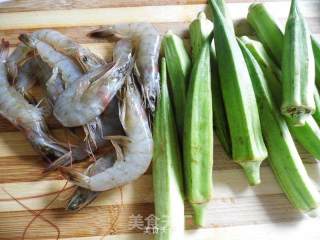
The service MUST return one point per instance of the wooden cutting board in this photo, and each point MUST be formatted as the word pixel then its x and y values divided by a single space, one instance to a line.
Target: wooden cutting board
pixel 238 212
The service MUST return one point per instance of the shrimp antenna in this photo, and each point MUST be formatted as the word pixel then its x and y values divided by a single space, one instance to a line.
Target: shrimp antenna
pixel 113 225
pixel 33 212
pixel 42 210
pixel 37 196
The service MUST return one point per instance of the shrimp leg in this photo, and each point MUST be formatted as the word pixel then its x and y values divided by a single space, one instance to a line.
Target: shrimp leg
pixel 137 153
pixel 147 44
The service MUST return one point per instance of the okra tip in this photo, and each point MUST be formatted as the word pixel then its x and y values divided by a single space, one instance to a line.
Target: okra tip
pixel 252 171
pixel 169 33
pixel 199 210
pixel 255 5
pixel 314 213
pixel 202 15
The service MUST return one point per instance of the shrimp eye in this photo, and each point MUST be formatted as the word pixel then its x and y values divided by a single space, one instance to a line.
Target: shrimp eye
pixel 84 58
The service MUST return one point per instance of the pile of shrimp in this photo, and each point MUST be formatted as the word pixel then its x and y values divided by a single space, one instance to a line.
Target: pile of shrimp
pixel 113 102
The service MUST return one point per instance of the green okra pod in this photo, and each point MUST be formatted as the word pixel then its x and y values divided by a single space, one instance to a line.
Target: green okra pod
pixel 248 148
pixel 316 53
pixel 298 68
pixel 200 31
pixel 179 68
pixel 267 30
pixel 220 122
pixel 309 134
pixel 298 63
pixel 270 34
pixel 167 169
pixel 198 136
pixel 283 155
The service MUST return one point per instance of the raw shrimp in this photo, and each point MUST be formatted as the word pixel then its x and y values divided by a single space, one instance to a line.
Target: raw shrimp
pixel 61 43
pixel 137 150
pixel 64 73
pixel 147 43
pixel 69 71
pixel 82 196
pixel 111 125
pixel 26 117
pixel 86 99
pixel 108 124
pixel 65 45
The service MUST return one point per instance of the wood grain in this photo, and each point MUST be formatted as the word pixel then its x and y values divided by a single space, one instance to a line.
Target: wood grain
pixel 155 14
pixel 230 185
pixel 96 220
pixel 32 5
pixel 79 34
pixel 284 230
pixel 98 16
pixel 238 212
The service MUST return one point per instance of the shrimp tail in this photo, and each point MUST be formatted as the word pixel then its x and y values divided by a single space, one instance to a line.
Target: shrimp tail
pixel 76 177
pixel 103 32
pixel 28 40
pixel 4 50
pixel 81 199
